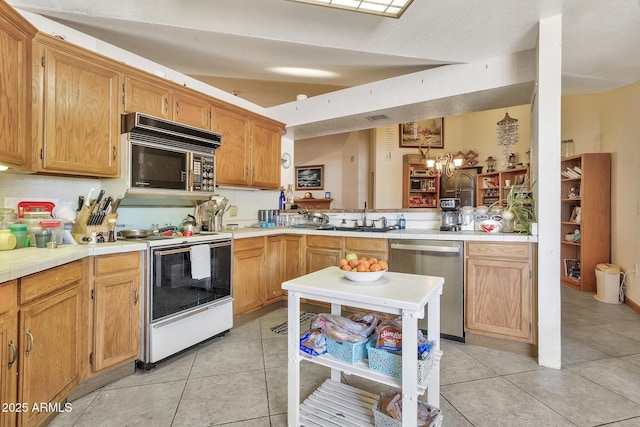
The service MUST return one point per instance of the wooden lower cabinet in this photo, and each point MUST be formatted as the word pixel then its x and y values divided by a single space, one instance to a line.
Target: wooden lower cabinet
pixel 499 291
pixel 116 310
pixel 285 261
pixel 326 251
pixel 323 251
pixel 367 247
pixel 249 274
pixel 8 352
pixel 50 325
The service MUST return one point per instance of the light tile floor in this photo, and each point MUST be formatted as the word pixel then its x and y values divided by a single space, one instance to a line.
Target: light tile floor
pixel 241 379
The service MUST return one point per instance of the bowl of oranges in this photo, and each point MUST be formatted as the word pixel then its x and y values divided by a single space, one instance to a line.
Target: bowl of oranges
pixel 362 269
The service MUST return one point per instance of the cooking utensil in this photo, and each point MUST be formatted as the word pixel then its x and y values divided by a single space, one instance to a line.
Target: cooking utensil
pixel 130 234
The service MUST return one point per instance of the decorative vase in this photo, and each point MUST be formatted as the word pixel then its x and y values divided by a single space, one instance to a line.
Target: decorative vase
pixel 507 221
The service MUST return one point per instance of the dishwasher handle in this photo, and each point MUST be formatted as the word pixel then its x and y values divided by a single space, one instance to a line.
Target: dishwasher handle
pixel 429 248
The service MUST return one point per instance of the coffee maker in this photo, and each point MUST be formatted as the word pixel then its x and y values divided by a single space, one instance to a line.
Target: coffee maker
pixel 451 216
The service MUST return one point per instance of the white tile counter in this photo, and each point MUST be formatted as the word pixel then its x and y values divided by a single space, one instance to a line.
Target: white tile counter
pixel 413 233
pixel 22 262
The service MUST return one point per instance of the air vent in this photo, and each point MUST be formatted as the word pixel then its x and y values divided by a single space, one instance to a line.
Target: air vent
pixel 377 117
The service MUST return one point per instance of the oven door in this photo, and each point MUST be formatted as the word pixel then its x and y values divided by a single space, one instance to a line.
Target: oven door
pixel 158 168
pixel 173 291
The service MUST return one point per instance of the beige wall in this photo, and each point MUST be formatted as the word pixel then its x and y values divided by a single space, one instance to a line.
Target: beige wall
pixel 609 122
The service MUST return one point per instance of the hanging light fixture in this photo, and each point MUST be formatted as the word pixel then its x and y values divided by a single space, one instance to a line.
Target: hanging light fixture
pixel 507 135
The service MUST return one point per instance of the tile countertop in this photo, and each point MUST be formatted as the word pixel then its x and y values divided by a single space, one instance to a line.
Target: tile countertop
pixel 409 233
pixel 21 262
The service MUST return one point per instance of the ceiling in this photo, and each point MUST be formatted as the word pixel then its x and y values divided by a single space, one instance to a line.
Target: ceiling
pixel 234 45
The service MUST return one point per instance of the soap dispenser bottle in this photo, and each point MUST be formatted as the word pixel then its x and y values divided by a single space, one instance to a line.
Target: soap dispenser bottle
pixel 282 198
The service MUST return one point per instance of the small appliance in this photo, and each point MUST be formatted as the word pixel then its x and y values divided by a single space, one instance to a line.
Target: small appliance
pixel 451 217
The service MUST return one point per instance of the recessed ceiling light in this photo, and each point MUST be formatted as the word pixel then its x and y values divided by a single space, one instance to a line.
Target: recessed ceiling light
pixel 303 72
pixel 389 8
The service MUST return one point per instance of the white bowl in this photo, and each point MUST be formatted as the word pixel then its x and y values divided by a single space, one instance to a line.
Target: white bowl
pixel 370 276
pixel 491 226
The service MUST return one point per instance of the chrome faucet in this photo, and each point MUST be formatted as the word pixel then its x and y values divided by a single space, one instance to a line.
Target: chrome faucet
pixel 364 215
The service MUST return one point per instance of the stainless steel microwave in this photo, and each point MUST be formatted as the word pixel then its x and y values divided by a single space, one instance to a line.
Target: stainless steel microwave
pixel 418 184
pixel 161 158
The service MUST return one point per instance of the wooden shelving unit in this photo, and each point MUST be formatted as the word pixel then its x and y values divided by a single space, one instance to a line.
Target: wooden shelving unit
pixel 494 186
pixel 420 187
pixel 590 193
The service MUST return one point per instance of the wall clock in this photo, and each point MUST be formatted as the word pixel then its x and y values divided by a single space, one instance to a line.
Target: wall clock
pixel 285 160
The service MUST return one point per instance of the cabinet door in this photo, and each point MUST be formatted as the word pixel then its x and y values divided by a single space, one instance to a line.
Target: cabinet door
pixel 276 263
pixel 248 275
pixel 80 121
pixel 14 51
pixel 499 299
pixel 8 351
pixel 232 158
pixel 265 156
pixel 319 258
pixel 147 97
pixel 116 320
pixel 50 345
pixel 293 258
pixel 191 111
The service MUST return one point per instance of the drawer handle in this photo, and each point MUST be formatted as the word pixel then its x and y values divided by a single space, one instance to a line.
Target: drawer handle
pixel 135 296
pixel 14 351
pixel 30 347
pixel 453 249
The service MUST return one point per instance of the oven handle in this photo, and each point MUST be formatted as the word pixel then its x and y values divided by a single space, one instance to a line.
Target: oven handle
pixel 188 248
pixel 175 319
pixel 452 249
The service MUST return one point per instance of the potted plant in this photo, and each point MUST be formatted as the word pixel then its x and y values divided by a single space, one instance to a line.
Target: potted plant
pixel 519 209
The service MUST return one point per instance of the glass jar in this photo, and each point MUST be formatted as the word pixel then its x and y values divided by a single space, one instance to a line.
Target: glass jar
pixel 468 219
pixel 288 197
pixel 482 214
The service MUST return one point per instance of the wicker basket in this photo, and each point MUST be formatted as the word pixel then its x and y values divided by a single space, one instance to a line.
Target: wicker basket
pixel 384 420
pixel 347 351
pixel 391 364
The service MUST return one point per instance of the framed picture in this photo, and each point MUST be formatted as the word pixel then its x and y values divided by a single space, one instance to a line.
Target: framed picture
pixel 310 177
pixel 422 133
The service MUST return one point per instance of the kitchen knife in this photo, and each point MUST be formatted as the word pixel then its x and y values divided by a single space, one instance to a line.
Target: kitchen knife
pixel 93 216
pixel 80 203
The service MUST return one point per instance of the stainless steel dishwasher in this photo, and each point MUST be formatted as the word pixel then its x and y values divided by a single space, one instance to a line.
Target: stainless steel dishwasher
pixel 441 258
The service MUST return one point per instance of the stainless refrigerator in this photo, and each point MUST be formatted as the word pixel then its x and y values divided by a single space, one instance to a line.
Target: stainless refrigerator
pixel 461 185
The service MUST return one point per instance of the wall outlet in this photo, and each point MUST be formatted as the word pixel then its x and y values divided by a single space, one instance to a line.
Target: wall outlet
pixel 233 210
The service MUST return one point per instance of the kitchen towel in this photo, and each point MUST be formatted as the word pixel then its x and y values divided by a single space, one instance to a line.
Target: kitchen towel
pixel 200 263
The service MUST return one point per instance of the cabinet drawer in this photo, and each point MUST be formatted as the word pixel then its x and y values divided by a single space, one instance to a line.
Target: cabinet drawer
pixel 356 244
pixel 115 263
pixel 499 250
pixel 36 285
pixel 8 296
pixel 324 242
pixel 247 244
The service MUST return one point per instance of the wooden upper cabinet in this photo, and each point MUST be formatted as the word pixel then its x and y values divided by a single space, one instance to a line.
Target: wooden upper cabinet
pixel 15 51
pixel 265 155
pixel 192 110
pixel 76 125
pixel 233 157
pixel 147 97
pixel 250 152
pixel 156 97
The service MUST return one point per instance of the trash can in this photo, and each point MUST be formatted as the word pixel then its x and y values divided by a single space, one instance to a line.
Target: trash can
pixel 608 283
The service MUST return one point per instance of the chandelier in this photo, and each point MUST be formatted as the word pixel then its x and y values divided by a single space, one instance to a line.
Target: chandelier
pixel 443 163
pixel 507 135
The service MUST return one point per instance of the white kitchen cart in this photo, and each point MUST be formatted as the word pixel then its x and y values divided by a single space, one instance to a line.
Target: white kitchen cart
pixel 397 293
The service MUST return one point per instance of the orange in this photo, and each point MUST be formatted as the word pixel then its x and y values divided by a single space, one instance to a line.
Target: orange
pixel 363 268
pixel 346 267
pixel 354 263
pixel 383 265
pixel 375 267
pixel 373 261
pixel 343 262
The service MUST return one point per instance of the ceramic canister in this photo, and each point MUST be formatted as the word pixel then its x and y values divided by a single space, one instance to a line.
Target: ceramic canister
pixel 7 240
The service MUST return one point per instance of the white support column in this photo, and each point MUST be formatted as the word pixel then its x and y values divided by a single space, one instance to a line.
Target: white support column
pixel 545 137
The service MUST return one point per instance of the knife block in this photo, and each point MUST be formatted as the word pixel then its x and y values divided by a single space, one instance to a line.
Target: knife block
pixel 80 230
